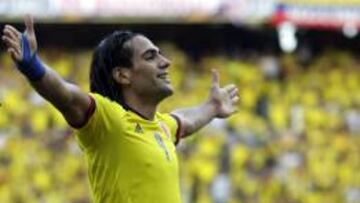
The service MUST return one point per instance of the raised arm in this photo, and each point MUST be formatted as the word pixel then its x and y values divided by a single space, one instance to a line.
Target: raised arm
pixel 221 104
pixel 66 97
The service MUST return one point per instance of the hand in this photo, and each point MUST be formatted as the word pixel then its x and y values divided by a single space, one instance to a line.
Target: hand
pixel 12 39
pixel 223 99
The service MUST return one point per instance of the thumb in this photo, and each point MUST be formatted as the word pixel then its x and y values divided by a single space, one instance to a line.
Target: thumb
pixel 215 78
pixel 29 23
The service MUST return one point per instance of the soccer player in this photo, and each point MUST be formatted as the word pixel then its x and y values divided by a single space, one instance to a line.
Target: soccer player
pixel 129 146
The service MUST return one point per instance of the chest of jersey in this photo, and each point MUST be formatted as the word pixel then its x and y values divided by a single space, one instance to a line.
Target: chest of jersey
pixel 145 146
pixel 129 159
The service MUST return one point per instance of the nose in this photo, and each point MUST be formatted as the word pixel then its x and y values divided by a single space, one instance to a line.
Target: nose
pixel 165 62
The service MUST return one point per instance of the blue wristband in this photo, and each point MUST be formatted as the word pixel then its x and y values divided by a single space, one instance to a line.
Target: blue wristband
pixel 31 65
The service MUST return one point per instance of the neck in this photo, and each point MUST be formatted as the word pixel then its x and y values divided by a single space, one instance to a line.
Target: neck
pixel 141 106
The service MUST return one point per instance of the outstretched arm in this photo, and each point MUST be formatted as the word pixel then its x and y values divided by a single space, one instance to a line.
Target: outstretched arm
pixel 66 97
pixel 221 104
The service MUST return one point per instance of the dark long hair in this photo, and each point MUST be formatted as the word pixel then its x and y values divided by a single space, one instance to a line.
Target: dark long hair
pixel 110 53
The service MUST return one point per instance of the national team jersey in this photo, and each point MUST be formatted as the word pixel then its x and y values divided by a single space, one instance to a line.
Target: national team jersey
pixel 130 159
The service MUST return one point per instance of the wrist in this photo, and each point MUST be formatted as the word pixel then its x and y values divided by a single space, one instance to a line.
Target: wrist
pixel 211 107
pixel 33 69
pixel 30 65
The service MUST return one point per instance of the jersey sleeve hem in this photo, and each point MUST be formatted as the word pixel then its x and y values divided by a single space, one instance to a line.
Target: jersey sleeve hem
pixel 88 114
pixel 178 130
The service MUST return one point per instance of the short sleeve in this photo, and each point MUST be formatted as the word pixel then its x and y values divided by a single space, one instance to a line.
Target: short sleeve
pixel 94 131
pixel 173 122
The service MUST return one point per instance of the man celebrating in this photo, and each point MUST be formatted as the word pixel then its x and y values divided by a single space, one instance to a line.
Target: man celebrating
pixel 129 146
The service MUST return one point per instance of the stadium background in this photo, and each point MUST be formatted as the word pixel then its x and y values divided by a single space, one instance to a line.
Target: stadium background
pixel 296 138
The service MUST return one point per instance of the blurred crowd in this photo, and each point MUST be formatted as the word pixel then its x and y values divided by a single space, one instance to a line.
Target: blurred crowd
pixel 295 138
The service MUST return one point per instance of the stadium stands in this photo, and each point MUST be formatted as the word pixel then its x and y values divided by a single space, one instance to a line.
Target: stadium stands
pixel 296 137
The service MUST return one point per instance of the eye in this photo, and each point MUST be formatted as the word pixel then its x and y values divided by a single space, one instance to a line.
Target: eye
pixel 151 55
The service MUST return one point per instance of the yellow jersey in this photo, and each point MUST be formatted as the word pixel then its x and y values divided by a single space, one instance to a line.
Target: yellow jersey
pixel 130 159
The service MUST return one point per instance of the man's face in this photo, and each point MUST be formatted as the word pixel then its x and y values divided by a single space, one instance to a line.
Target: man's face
pixel 149 74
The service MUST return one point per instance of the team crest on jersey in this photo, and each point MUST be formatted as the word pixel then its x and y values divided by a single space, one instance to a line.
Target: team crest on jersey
pixel 138 128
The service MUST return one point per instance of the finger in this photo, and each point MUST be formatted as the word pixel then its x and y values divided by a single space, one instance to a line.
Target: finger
pixel 15 51
pixel 11 34
pixel 13 46
pixel 13 30
pixel 11 43
pixel 235 99
pixel 230 88
pixel 215 78
pixel 14 54
pixel 234 92
pixel 29 23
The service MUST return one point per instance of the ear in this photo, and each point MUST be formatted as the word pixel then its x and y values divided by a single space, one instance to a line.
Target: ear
pixel 121 75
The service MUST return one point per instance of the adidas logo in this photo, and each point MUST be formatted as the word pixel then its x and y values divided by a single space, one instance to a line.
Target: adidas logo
pixel 138 128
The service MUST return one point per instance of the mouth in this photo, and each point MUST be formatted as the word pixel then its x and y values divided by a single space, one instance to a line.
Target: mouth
pixel 164 76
